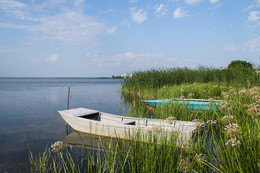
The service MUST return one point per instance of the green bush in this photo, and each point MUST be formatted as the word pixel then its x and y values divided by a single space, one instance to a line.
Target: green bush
pixel 240 64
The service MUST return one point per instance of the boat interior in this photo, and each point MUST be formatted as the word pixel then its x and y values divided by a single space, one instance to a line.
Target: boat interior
pixel 93 116
pixel 98 116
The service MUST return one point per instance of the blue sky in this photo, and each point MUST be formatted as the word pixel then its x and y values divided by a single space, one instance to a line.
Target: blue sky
pixel 93 38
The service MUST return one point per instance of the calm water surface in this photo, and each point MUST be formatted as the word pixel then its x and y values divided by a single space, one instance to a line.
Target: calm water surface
pixel 29 117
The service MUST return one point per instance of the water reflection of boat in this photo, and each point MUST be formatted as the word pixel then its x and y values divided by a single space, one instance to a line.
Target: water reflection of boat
pixel 104 124
pixel 193 104
pixel 86 140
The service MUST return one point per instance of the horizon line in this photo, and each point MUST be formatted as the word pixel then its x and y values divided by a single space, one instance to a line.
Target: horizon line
pixel 53 77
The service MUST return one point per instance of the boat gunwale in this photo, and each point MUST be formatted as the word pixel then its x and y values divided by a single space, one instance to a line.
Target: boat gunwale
pixel 178 99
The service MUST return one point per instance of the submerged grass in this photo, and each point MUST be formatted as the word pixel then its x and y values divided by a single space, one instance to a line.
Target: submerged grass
pixel 225 140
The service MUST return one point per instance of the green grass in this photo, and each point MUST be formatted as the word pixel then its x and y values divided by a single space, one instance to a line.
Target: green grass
pixel 242 104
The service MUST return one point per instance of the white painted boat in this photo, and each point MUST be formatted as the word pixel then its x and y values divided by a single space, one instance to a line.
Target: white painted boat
pixel 105 124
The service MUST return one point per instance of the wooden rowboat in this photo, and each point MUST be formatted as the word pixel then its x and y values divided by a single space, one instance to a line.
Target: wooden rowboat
pixel 193 104
pixel 105 124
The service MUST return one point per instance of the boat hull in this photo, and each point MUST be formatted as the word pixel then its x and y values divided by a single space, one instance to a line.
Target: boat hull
pixel 195 104
pixel 116 126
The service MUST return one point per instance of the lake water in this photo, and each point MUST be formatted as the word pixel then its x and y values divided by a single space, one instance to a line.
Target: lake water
pixel 29 117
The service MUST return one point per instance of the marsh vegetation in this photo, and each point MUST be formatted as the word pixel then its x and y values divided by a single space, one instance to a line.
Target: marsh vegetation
pixel 225 140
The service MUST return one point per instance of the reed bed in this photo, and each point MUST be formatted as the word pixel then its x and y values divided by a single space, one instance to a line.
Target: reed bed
pixel 158 78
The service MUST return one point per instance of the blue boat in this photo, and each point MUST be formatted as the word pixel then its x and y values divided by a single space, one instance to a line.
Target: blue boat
pixel 193 104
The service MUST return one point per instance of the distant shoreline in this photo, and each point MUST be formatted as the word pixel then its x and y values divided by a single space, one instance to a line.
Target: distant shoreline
pixel 56 78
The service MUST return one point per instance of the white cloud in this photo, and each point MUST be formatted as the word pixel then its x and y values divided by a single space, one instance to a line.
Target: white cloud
pixel 125 22
pixel 179 13
pixel 6 4
pixel 70 27
pixel 66 25
pixel 52 57
pixel 132 1
pixel 10 25
pixel 253 45
pixel 213 1
pixel 191 2
pixel 16 9
pixel 132 60
pixel 253 16
pixel 231 47
pixel 160 10
pixel 112 30
pixel 258 3
pixel 78 3
pixel 138 16
pixel 5 49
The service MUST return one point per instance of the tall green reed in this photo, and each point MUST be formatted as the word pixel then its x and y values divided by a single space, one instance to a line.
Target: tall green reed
pixel 158 78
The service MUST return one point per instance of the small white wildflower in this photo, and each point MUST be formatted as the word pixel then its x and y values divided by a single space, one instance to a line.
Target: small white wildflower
pixel 185 165
pixel 232 130
pixel 199 157
pixel 149 129
pixel 227 118
pixel 212 122
pixel 224 93
pixel 233 142
pixel 182 97
pixel 171 120
pixel 245 105
pixel 242 91
pixel 253 93
pixel 229 109
pixel 191 95
pixel 158 129
pixel 254 89
pixel 210 100
pixel 256 97
pixel 197 121
pixel 57 146
pixel 199 124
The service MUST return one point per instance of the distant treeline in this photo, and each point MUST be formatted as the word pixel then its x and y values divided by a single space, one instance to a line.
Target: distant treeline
pixel 117 77
pixel 237 73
